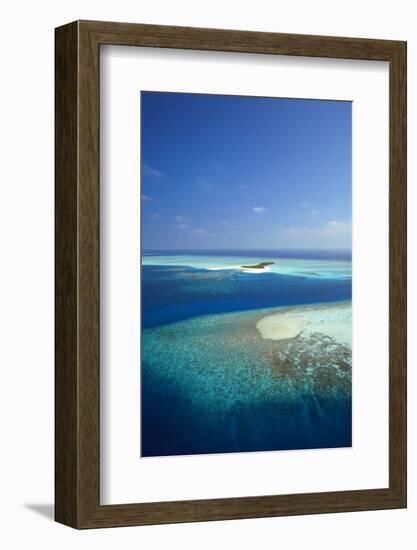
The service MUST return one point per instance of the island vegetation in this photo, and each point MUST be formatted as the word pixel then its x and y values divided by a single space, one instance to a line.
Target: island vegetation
pixel 261 265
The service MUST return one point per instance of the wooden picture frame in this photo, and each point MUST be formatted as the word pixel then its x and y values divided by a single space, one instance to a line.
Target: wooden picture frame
pixel 77 405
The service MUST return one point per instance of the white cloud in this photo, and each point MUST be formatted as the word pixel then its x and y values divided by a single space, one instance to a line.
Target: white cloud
pixel 182 226
pixel 155 216
pixel 182 219
pixel 259 209
pixel 296 230
pixel 314 211
pixel 338 227
pixel 331 227
pixel 146 198
pixel 204 184
pixel 149 171
pixel 243 186
pixel 332 234
pixel 203 233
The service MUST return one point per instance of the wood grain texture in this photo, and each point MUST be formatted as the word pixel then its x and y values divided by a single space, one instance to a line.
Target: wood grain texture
pixel 78 284
pixel 398 273
pixel 66 236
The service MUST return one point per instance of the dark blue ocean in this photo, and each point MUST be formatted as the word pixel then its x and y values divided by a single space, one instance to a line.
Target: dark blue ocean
pixel 211 384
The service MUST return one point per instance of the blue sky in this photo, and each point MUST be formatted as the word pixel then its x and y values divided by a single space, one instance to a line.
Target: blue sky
pixel 245 172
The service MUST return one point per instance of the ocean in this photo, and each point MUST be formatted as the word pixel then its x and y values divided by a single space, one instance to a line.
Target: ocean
pixel 213 380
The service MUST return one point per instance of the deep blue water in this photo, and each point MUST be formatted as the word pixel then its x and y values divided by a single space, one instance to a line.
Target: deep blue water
pixel 207 383
pixel 171 294
pixel 174 426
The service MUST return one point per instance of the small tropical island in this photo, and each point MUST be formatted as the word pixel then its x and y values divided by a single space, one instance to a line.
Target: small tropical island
pixel 261 265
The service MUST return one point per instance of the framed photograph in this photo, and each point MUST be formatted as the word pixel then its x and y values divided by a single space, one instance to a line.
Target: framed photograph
pixel 230 274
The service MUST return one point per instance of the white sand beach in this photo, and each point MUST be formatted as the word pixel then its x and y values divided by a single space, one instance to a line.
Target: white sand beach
pixel 312 268
pixel 240 268
pixel 333 320
pixel 223 268
pixel 255 270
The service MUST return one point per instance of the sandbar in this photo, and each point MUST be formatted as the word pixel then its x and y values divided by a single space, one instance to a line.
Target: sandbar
pixel 333 320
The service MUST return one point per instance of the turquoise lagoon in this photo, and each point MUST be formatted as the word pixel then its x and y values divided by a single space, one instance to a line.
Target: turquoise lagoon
pixel 238 360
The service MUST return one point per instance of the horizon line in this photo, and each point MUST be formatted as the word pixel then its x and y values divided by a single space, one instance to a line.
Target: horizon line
pixel 272 249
